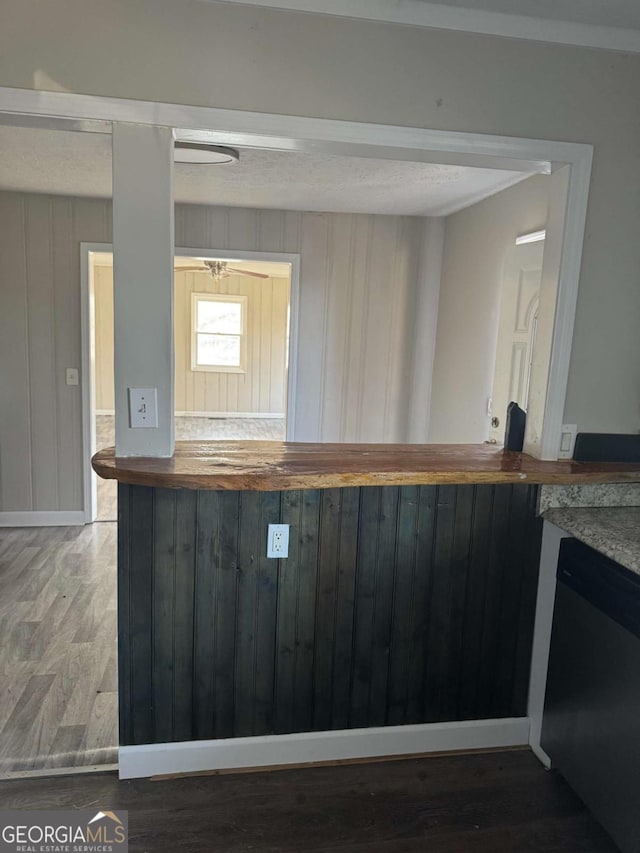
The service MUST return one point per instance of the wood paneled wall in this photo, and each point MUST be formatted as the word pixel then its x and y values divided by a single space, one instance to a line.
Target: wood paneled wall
pixel 396 605
pixel 40 415
pixel 103 314
pixel 262 388
pixel 359 276
pixel 358 281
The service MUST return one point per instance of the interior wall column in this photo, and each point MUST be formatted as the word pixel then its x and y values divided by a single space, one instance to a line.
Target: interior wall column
pixel 143 257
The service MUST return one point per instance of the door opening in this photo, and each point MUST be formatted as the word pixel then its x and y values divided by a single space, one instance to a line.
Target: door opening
pixel 516 333
pixel 234 344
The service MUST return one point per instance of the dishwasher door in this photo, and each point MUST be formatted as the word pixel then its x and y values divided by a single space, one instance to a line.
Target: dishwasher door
pixel 591 725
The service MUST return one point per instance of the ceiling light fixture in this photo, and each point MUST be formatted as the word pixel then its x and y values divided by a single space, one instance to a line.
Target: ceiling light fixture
pixel 532 237
pixel 197 154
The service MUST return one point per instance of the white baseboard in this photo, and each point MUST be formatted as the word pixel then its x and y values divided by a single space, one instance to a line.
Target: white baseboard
pixel 53 518
pixel 261 415
pixel 310 747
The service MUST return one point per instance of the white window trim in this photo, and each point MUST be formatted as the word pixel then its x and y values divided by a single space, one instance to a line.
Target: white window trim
pixel 218 297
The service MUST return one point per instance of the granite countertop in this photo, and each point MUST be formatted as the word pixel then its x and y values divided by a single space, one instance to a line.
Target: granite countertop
pixel 613 531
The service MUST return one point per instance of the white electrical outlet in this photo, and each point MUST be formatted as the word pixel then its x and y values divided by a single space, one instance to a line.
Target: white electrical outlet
pixel 143 408
pixel 567 441
pixel 278 541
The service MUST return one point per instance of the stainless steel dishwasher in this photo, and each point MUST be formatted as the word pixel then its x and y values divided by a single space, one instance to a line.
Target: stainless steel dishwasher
pixel 591 725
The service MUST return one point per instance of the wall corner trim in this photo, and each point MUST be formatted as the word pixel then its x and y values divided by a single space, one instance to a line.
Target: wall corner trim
pixel 313 747
pixel 552 536
pixel 47 518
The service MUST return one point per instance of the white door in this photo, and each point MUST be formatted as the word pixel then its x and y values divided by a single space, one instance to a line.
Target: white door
pixel 516 333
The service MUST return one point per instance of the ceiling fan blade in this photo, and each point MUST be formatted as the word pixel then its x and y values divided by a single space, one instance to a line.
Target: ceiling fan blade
pixel 247 272
pixel 187 269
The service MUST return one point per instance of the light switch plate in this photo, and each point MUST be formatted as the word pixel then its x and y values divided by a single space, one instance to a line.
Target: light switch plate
pixel 143 408
pixel 567 441
pixel 72 375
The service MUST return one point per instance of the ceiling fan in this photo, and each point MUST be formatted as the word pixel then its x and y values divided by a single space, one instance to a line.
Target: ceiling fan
pixel 220 269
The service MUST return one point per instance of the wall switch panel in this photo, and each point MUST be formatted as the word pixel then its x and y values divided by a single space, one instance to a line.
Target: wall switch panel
pixel 278 541
pixel 143 408
pixel 72 375
pixel 567 441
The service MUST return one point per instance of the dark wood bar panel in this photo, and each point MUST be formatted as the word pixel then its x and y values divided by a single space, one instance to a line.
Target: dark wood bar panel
pixel 396 605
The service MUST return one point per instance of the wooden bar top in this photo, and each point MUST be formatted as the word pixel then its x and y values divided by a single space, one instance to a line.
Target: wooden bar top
pixel 277 466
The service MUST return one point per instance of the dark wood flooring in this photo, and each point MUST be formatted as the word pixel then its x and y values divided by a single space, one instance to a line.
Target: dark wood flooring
pixel 483 803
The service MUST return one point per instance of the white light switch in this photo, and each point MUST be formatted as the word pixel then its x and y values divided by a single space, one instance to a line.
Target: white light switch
pixel 72 375
pixel 143 408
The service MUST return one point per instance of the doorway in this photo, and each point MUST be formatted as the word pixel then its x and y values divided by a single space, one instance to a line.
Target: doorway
pixel 520 298
pixel 234 343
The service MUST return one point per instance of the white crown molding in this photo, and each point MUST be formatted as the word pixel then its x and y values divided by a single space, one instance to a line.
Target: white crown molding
pixel 440 17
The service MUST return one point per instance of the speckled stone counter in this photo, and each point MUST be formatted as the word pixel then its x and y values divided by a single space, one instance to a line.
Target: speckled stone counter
pixel 613 531
pixel 590 494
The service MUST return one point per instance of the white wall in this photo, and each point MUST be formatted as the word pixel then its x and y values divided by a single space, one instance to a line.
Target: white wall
pixel 358 284
pixel 307 64
pixel 358 280
pixel 476 243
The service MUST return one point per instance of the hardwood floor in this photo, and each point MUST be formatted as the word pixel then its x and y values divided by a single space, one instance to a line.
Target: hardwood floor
pixel 490 803
pixel 58 647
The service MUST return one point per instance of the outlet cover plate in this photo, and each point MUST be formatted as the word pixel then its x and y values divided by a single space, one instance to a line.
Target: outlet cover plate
pixel 567 441
pixel 278 541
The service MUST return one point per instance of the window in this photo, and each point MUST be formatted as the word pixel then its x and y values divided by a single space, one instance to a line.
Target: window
pixel 217 332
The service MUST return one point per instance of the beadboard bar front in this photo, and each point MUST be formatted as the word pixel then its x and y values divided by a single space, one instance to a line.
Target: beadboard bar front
pixel 397 605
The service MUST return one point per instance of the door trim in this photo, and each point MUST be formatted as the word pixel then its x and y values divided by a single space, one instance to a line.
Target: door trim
pixel 87 301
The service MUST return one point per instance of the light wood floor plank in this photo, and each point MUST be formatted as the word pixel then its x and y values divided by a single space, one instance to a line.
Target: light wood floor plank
pixel 58 649
pixel 66 746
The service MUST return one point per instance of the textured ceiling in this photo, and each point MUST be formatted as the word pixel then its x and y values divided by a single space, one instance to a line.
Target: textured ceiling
pixel 65 163
pixel 608 13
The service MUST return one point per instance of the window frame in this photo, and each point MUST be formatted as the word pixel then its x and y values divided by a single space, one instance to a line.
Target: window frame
pixel 196 297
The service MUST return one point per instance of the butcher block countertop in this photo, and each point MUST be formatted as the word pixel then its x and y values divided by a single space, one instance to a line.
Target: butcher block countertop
pixel 278 466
